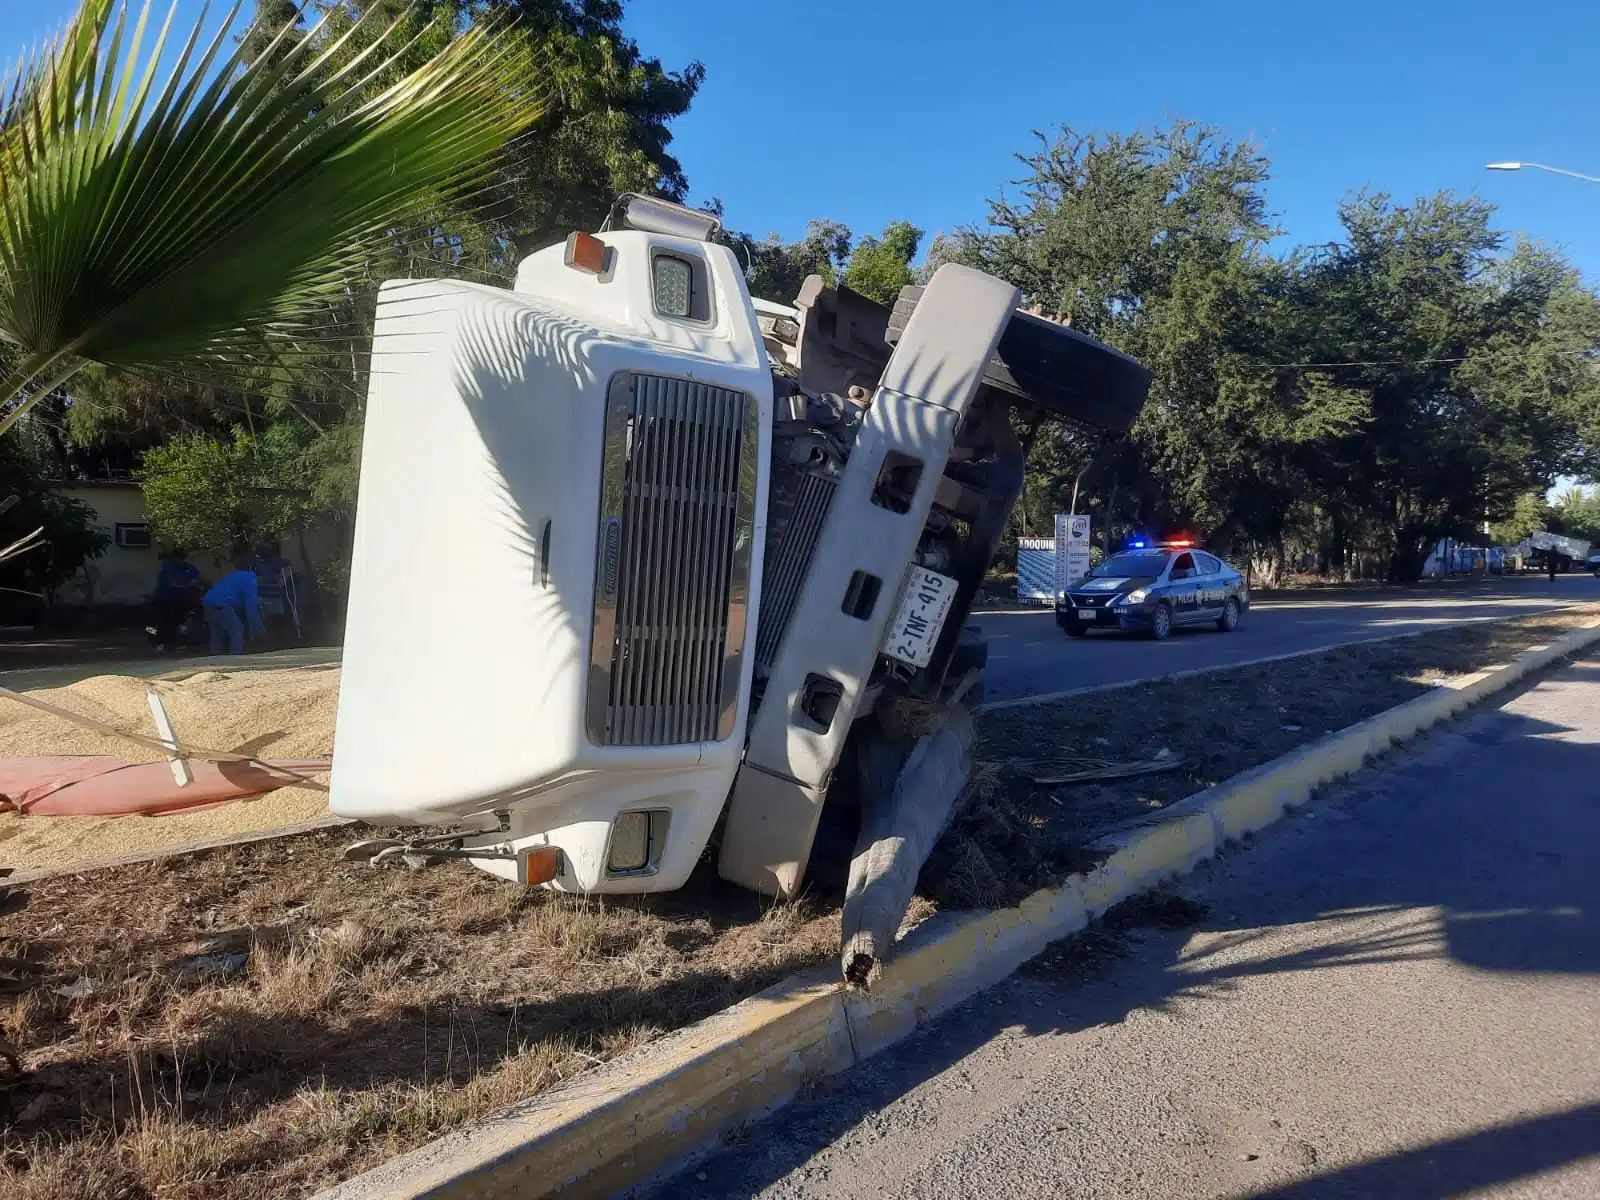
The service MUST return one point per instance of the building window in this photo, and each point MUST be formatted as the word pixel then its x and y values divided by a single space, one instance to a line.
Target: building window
pixel 132 537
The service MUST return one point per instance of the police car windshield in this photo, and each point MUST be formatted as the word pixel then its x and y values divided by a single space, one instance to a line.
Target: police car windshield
pixel 1143 566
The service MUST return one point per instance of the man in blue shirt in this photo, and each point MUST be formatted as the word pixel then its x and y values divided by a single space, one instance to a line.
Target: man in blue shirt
pixel 174 594
pixel 234 591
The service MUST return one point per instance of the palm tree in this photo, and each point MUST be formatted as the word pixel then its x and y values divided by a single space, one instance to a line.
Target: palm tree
pixel 208 222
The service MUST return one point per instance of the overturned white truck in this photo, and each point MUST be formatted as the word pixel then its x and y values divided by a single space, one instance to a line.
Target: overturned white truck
pixel 643 568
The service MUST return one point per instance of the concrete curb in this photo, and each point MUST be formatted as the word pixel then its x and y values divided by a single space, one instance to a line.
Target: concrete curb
pixel 633 1120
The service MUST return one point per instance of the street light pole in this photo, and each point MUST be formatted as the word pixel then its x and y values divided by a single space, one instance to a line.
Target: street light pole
pixel 1517 166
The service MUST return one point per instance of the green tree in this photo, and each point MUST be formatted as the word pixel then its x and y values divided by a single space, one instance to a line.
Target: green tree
pixel 880 267
pixel 1529 514
pixel 599 127
pixel 1155 242
pixel 605 128
pixel 1474 368
pixel 1577 512
pixel 28 501
pixel 1356 400
pixel 775 269
pixel 219 494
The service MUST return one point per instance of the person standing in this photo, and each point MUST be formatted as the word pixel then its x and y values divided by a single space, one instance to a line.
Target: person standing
pixel 175 583
pixel 1550 564
pixel 234 592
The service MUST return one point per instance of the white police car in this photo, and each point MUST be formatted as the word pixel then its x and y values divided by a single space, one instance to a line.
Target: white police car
pixel 1155 587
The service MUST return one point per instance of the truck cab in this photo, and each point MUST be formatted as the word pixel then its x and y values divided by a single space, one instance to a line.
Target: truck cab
pixel 638 558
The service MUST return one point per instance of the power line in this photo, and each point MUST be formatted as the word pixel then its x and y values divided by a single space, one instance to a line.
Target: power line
pixel 1413 362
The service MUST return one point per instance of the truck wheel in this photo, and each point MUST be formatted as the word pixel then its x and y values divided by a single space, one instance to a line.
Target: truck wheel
pixel 1059 369
pixel 1229 620
pixel 1161 622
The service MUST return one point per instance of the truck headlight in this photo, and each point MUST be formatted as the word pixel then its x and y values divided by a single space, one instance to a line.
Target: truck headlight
pixel 674 286
pixel 637 839
pixel 630 843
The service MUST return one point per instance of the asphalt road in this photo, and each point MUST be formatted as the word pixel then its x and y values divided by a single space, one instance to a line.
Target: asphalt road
pixel 1395 994
pixel 1030 656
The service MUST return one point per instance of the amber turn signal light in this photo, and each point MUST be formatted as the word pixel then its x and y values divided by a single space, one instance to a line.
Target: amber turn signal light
pixel 585 252
pixel 541 864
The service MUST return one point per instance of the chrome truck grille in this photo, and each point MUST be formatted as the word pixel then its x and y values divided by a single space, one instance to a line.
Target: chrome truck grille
pixel 672 570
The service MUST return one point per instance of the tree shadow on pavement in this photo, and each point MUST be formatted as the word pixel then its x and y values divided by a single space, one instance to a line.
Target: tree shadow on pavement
pixel 1476 848
pixel 1460 1165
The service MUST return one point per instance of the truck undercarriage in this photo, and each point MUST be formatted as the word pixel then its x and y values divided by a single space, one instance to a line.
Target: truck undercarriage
pixel 775 588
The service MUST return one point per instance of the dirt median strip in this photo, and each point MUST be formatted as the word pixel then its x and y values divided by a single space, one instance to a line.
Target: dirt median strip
pixel 263 1020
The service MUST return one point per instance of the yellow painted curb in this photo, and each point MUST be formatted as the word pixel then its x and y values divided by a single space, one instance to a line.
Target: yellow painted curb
pixel 640 1117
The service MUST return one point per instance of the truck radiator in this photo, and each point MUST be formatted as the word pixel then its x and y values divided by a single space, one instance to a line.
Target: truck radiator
pixel 794 526
pixel 672 572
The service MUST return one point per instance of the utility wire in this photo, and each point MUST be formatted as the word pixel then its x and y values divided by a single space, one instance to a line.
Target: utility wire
pixel 1411 362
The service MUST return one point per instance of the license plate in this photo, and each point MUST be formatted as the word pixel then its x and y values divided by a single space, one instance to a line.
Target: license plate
pixel 923 608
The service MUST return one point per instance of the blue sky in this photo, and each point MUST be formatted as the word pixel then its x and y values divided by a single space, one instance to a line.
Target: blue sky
pixel 871 112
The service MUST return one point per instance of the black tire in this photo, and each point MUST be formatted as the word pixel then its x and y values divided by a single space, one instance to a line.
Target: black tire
pixel 1075 629
pixel 1161 622
pixel 1231 612
pixel 1059 369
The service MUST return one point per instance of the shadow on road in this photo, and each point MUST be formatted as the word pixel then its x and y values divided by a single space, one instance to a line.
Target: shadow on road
pixel 1490 832
pixel 1460 1165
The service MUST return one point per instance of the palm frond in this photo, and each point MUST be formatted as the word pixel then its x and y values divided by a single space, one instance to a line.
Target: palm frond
pixel 206 220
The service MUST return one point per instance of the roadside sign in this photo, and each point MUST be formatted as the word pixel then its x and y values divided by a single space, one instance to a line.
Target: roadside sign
pixel 1072 550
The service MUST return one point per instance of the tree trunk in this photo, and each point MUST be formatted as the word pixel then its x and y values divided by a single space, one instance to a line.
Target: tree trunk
pixel 1339 551
pixel 1409 557
pixel 1111 512
pixel 1266 565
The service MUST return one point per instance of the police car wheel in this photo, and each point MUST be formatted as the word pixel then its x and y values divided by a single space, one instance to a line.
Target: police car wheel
pixel 1161 622
pixel 1075 628
pixel 1229 620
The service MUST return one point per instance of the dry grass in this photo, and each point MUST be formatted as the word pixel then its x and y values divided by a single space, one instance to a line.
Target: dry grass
pixel 262 1021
